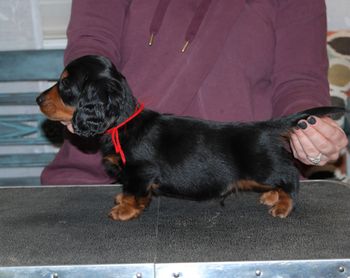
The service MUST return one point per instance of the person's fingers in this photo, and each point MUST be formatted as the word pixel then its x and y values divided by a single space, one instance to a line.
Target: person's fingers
pixel 329 121
pixel 315 142
pixel 304 150
pixel 297 149
pixel 292 146
pixel 326 136
pixel 330 130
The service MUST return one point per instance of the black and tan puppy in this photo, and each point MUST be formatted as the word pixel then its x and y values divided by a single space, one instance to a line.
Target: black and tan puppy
pixel 183 157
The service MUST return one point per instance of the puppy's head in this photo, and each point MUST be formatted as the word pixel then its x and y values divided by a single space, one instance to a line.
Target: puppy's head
pixel 91 96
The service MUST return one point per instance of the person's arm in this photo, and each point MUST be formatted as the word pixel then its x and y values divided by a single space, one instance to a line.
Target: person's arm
pixel 301 64
pixel 95 28
pixel 300 79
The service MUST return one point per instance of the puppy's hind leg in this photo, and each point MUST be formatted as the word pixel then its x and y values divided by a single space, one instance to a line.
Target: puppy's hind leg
pixel 280 202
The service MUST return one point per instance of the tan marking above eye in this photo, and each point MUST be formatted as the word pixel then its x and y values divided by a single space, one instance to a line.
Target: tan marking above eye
pixel 64 74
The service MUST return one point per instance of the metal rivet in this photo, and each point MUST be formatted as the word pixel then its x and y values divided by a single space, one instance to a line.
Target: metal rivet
pixel 138 275
pixel 54 275
pixel 176 275
pixel 258 272
pixel 341 269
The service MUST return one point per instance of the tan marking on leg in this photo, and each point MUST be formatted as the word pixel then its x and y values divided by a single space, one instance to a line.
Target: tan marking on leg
pixel 253 185
pixel 128 207
pixel 283 207
pixel 118 198
pixel 244 185
pixel 113 159
pixel 269 198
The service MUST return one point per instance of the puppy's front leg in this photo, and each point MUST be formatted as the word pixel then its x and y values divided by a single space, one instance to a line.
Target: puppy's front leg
pixel 128 206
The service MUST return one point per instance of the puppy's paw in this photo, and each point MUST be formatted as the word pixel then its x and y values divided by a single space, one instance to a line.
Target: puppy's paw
pixel 123 212
pixel 281 210
pixel 128 206
pixel 269 198
pixel 118 198
pixel 280 202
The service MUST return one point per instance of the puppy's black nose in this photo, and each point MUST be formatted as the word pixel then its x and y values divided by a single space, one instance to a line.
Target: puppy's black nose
pixel 40 99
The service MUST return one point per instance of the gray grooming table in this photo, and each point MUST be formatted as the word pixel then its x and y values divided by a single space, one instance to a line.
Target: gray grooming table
pixel 59 232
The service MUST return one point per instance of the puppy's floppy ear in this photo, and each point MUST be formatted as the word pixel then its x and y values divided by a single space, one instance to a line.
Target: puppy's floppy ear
pixel 97 109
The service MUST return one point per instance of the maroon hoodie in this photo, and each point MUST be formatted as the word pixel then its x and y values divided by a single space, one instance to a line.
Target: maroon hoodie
pixel 244 60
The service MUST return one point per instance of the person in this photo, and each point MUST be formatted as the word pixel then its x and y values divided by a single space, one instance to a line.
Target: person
pixel 228 60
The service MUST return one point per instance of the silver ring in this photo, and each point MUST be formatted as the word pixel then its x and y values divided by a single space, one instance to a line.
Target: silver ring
pixel 315 160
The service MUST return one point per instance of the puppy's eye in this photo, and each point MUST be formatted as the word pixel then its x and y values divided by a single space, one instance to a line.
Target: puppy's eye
pixel 65 82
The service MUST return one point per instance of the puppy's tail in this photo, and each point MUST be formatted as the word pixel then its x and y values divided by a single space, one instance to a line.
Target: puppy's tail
pixel 292 120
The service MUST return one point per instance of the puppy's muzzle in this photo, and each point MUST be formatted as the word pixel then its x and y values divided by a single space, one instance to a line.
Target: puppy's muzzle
pixel 41 98
pixel 53 107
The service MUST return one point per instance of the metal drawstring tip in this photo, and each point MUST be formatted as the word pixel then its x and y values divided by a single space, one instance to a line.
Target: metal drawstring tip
pixel 185 46
pixel 150 42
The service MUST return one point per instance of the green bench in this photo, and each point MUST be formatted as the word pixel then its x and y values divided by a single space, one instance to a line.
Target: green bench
pixel 28 141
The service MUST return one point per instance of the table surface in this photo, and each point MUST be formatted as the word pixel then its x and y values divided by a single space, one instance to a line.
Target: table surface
pixel 69 225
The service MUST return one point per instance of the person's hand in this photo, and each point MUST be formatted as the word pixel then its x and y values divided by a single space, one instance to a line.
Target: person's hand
pixel 317 141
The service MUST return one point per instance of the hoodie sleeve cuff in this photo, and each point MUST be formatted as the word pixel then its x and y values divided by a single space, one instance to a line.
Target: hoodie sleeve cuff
pixel 299 101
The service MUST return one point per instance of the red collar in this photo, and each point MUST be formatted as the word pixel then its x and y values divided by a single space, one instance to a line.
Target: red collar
pixel 115 134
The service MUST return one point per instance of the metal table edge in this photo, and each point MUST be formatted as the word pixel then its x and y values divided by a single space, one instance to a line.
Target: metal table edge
pixel 326 268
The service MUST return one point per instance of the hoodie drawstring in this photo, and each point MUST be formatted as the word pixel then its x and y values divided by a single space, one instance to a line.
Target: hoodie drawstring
pixel 157 19
pixel 196 22
pixel 192 29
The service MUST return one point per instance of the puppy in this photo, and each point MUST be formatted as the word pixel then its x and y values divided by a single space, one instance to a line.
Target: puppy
pixel 152 153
